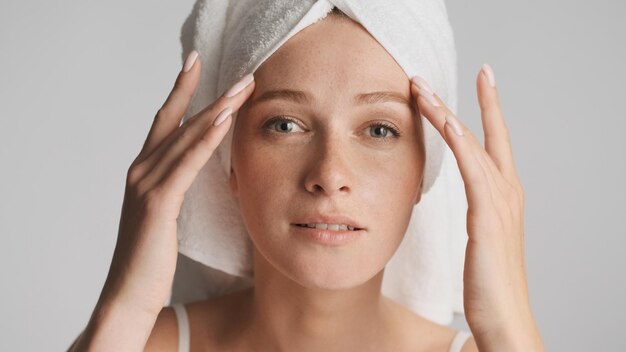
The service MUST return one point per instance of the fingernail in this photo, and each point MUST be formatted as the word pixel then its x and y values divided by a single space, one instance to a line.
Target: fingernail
pixel 422 84
pixel 425 90
pixel 239 86
pixel 454 123
pixel 222 116
pixel 488 71
pixel 429 97
pixel 191 59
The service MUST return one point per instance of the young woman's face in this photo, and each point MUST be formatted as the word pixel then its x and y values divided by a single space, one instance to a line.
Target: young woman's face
pixel 328 151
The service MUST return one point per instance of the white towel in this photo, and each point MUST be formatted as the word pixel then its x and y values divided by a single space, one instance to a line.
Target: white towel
pixel 233 38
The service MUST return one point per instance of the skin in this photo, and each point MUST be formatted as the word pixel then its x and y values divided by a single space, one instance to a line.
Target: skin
pixel 309 297
pixel 495 286
pixel 332 159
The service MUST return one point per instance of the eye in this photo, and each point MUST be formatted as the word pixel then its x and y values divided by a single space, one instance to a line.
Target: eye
pixel 386 128
pixel 286 124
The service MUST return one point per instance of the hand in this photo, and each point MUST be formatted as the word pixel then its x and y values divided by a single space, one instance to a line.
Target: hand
pixel 144 261
pixel 495 292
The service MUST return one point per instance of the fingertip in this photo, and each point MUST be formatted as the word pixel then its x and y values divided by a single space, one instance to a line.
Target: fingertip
pixel 250 87
pixel 190 61
pixel 489 75
pixel 486 92
pixel 481 81
pixel 451 137
pixel 244 83
pixel 222 116
pixel 414 90
pixel 454 124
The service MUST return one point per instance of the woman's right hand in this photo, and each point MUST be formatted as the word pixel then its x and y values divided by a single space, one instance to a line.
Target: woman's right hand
pixel 144 260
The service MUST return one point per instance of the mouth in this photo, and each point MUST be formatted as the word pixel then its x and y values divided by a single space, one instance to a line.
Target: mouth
pixel 335 227
pixel 329 236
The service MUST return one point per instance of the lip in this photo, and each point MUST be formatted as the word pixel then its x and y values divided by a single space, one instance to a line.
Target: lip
pixel 328 237
pixel 329 219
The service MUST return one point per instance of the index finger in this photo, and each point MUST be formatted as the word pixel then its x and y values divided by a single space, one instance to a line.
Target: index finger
pixel 170 114
pixel 497 138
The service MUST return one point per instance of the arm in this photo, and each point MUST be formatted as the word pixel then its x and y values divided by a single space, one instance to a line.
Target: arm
pixel 163 335
pixel 115 327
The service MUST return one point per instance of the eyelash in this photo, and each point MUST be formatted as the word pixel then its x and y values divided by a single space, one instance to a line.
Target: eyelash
pixel 394 131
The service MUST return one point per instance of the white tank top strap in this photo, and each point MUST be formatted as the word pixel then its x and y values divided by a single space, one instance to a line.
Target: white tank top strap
pixel 459 340
pixel 183 327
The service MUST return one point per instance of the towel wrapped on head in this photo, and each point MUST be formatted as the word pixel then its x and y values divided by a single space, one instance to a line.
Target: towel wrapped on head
pixel 234 38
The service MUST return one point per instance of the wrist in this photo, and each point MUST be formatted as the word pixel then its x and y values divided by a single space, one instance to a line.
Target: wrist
pixel 125 292
pixel 522 336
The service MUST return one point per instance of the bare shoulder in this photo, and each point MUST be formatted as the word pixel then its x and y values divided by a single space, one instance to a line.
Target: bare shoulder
pixel 164 335
pixel 210 322
pixel 425 334
pixel 470 345
pixel 219 319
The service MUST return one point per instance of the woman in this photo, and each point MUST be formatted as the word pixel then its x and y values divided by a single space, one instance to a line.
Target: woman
pixel 364 160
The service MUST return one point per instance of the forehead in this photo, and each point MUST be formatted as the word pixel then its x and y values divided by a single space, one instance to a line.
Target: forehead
pixel 333 55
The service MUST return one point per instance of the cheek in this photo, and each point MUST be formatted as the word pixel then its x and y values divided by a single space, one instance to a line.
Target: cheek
pixel 390 198
pixel 266 183
pixel 391 182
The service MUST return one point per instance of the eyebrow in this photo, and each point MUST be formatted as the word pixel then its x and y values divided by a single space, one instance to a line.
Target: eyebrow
pixel 302 97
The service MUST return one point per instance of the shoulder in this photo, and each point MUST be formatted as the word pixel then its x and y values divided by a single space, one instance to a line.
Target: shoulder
pixel 427 334
pixel 164 335
pixel 470 345
pixel 208 319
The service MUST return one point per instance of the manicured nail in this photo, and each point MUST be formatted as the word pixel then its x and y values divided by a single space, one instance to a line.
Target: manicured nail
pixel 222 116
pixel 422 84
pixel 454 123
pixel 239 86
pixel 488 71
pixel 429 97
pixel 191 59
pixel 425 90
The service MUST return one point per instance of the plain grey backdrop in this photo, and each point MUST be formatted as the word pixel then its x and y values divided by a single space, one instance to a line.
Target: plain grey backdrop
pixel 80 82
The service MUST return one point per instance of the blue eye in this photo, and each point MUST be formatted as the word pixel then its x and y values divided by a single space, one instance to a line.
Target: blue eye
pixel 284 124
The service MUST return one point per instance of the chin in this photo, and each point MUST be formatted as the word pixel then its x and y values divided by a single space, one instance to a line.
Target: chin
pixel 330 283
pixel 330 274
pixel 315 266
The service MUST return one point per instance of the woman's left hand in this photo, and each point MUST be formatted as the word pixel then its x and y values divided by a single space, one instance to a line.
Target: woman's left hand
pixel 497 306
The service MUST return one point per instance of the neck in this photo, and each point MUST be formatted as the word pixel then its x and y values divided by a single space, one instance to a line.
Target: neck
pixel 286 316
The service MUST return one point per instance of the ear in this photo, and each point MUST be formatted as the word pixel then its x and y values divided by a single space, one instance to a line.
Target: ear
pixel 232 183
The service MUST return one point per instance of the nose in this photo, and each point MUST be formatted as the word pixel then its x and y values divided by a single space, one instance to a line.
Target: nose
pixel 330 170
